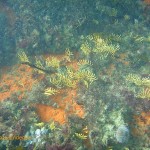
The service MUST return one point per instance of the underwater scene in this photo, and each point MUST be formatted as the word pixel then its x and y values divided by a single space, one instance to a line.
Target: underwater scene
pixel 74 74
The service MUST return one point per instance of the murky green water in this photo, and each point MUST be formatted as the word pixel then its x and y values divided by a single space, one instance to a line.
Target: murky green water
pixel 74 75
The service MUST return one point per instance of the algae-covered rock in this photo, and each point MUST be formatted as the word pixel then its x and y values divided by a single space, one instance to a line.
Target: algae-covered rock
pixel 7 43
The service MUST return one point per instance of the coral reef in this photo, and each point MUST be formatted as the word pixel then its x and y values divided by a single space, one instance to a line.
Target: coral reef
pixel 140 82
pixel 80 79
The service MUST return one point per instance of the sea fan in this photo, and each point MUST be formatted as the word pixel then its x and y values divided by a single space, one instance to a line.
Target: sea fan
pixel 144 94
pixel 122 134
pixel 53 62
pixel 50 91
pixel 22 56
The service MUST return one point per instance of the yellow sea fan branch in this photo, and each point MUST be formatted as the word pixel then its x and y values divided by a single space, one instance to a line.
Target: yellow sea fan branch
pixel 85 49
pixel 67 80
pixel 22 56
pixel 146 82
pixel 84 62
pixel 96 44
pixel 52 126
pixel 68 55
pixel 144 94
pixel 38 63
pixel 90 76
pixel 56 81
pixel 81 136
pixel 53 62
pixel 86 75
pixel 137 80
pixel 50 91
pixel 70 72
pixel 134 78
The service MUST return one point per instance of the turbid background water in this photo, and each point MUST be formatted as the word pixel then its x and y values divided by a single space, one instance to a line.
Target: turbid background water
pixel 75 75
